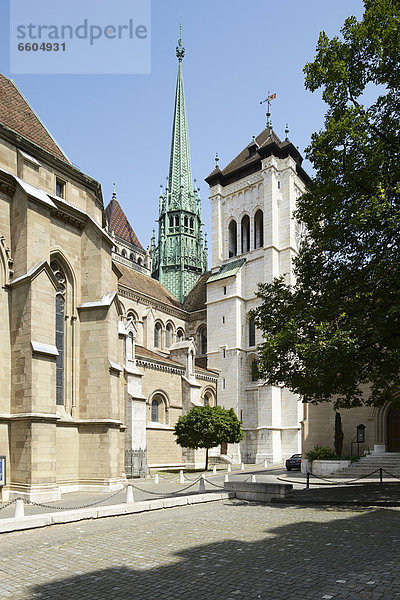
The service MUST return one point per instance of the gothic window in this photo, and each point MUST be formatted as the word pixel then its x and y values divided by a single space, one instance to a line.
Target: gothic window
pixel 232 235
pixel 60 330
pixel 157 335
pixel 192 224
pixel 186 221
pixel 154 410
pixel 123 253
pixel 139 261
pixel 254 370
pixel 206 400
pixel 169 332
pixel 252 333
pixel 159 409
pixel 258 229
pixel 176 221
pixel 129 346
pixel 203 340
pixel 245 230
pixel 131 257
pixel 180 335
pixel 171 222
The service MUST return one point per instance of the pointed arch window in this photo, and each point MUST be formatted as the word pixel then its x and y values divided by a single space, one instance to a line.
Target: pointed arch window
pixel 259 229
pixel 157 335
pixel 180 335
pixel 60 330
pixel 245 231
pixel 168 335
pixel 232 238
pixel 203 340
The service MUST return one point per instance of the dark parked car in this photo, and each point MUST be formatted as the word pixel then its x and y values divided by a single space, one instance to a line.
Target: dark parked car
pixel 294 462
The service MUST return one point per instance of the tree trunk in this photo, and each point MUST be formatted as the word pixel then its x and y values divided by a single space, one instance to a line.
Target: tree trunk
pixel 206 459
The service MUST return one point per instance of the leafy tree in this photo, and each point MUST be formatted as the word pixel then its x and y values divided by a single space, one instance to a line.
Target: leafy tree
pixel 337 330
pixel 339 435
pixel 207 427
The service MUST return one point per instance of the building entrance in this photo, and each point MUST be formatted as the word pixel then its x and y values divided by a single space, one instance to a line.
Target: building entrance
pixel 393 429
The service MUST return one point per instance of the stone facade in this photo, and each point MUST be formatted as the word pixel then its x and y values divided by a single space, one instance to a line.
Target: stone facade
pixel 61 423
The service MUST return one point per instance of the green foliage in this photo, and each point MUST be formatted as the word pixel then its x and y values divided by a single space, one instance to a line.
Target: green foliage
pixel 207 427
pixel 320 453
pixel 339 435
pixel 338 328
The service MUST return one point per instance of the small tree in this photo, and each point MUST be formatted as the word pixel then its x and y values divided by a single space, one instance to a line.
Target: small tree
pixel 338 442
pixel 207 427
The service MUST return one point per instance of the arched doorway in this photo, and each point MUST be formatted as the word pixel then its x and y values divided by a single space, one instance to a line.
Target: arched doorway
pixel 393 429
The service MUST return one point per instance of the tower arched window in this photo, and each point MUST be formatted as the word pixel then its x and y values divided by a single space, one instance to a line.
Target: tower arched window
pixel 159 412
pixel 186 221
pixel 180 335
pixel 176 221
pixel 245 232
pixel 171 222
pixel 123 253
pixel 259 229
pixel 206 400
pixel 60 330
pixel 157 335
pixel 232 238
pixel 252 333
pixel 254 370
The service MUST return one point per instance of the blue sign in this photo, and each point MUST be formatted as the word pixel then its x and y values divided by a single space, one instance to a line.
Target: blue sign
pixel 2 470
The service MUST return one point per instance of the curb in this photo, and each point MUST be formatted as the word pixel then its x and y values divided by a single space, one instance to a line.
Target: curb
pixel 378 503
pixel 70 516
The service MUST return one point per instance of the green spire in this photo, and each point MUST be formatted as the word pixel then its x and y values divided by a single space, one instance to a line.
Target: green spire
pixel 180 256
pixel 180 172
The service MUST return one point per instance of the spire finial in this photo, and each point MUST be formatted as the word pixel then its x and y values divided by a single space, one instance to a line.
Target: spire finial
pixel 114 192
pixel 180 50
pixel 216 160
pixel 287 132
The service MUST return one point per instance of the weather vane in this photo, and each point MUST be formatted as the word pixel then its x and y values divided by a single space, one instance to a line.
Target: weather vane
pixel 268 100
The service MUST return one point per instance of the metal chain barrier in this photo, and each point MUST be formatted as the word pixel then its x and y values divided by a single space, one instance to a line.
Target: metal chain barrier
pixel 165 493
pixel 77 507
pixel 9 503
pixel 214 484
pixel 391 474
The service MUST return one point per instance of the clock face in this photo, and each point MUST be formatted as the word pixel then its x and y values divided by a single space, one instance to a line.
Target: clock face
pixel 300 231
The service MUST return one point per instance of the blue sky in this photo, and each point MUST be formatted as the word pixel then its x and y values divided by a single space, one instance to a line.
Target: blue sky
pixel 118 127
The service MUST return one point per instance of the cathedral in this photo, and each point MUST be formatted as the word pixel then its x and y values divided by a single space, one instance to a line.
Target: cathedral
pixel 105 343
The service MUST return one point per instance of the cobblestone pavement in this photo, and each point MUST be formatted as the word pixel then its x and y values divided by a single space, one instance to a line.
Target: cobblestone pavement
pixel 221 551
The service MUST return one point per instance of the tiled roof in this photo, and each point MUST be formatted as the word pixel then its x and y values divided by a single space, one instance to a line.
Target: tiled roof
pixel 245 158
pixel 146 285
pixel 140 351
pixel 248 161
pixel 17 115
pixel 227 270
pixel 119 224
pixel 197 297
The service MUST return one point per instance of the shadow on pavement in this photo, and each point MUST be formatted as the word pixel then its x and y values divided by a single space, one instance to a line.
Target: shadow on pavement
pixel 352 557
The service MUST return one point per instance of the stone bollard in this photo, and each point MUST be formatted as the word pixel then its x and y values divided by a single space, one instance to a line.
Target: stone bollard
pixel 242 466
pixel 265 463
pixel 181 477
pixel 156 478
pixel 253 479
pixel 129 495
pixel 229 468
pixel 202 484
pixel 214 469
pixel 226 478
pixel 19 509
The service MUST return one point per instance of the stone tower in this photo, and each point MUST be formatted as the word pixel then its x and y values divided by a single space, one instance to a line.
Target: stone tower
pixel 180 256
pixel 254 239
